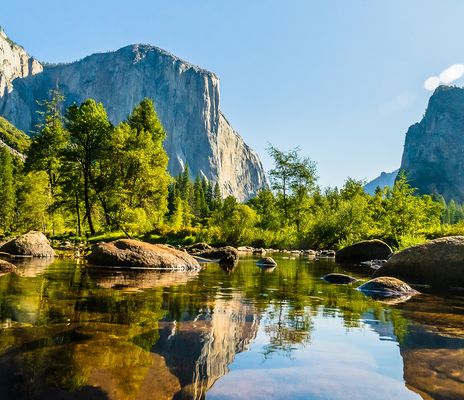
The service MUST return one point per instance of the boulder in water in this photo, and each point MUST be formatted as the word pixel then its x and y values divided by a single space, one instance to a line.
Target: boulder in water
pixel 136 254
pixel 226 256
pixel 386 286
pixel 340 279
pixel 266 262
pixel 439 262
pixel 34 244
pixel 364 251
pixel 198 247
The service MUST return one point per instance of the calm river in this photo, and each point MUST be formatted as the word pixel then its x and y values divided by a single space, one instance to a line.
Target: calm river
pixel 67 332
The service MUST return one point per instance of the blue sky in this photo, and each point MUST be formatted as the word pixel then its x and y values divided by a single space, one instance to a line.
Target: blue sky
pixel 343 80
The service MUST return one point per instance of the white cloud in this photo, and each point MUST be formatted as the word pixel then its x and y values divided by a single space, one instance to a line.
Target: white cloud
pixel 448 75
pixel 452 73
pixel 432 83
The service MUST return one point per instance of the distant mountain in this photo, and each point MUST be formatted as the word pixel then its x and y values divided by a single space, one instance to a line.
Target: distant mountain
pixel 433 157
pixel 186 98
pixel 385 179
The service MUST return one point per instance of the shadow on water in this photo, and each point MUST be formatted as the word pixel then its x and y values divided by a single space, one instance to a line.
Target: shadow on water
pixel 73 333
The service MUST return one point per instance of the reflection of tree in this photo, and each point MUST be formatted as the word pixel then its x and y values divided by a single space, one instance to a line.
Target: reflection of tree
pixel 286 328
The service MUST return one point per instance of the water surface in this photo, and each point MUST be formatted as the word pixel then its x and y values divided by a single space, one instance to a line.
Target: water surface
pixel 69 332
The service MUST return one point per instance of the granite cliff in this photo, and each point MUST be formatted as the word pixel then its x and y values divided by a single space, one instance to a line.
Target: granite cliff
pixel 433 152
pixel 186 97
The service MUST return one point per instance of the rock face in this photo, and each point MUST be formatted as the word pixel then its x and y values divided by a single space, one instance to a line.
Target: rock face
pixel 34 244
pixel 432 157
pixel 439 262
pixel 14 63
pixel 364 251
pixel 186 99
pixel 136 254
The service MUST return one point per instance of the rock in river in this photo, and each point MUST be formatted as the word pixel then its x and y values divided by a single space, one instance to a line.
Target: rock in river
pixel 386 286
pixel 364 251
pixel 439 262
pixel 339 278
pixel 226 256
pixel 33 244
pixel 133 253
pixel 266 262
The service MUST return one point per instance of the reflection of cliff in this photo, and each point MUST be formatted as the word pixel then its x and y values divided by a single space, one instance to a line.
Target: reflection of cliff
pixel 140 280
pixel 199 351
pixel 433 348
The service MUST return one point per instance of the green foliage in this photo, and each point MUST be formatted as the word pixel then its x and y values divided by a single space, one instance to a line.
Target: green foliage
pixel 85 177
pixel 13 137
pixel 234 221
pixel 32 202
pixel 7 194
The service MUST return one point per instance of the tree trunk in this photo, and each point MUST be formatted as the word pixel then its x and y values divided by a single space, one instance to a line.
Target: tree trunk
pixel 78 216
pixel 87 203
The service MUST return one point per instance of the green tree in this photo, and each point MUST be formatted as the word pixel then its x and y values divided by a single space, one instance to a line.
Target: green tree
pixel 137 165
pixel 45 151
pixel 233 220
pixel 7 190
pixel 294 180
pixel 89 132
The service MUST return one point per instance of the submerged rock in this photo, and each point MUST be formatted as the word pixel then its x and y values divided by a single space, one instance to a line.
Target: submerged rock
pixel 34 244
pixel 363 251
pixel 266 262
pixel 439 262
pixel 226 256
pixel 339 278
pixel 133 253
pixel 6 267
pixel 386 286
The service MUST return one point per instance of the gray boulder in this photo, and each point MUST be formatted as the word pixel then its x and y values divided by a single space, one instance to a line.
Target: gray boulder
pixel 266 262
pixel 386 286
pixel 340 279
pixel 136 254
pixel 364 251
pixel 439 262
pixel 34 244
pixel 198 248
pixel 227 256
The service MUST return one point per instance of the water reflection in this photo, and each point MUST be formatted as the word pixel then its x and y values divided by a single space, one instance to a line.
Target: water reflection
pixel 433 348
pixel 139 280
pixel 73 333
